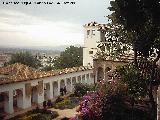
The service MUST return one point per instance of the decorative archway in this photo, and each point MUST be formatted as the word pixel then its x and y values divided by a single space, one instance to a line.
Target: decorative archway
pixel 87 77
pixel 62 83
pixel 18 99
pixel 83 79
pixel 3 99
pixel 69 87
pixel 47 91
pixel 107 73
pixel 55 89
pixel 73 82
pixel 92 78
pixel 79 79
pixel 34 95
pixel 100 74
pixel 7 102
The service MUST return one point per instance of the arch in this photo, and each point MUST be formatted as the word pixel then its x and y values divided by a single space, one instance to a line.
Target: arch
pixel 83 79
pixel 62 83
pixel 73 82
pixel 91 75
pixel 92 78
pixel 107 70
pixel 68 86
pixel 46 91
pixel 100 74
pixel 3 100
pixel 87 77
pixel 34 97
pixel 55 89
pixel 79 79
pixel 18 99
pixel 109 75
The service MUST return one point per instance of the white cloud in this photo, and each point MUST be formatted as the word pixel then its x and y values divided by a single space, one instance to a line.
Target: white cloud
pixel 48 24
pixel 17 28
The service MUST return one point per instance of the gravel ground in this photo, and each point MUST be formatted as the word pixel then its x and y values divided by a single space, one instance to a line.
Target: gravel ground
pixel 65 112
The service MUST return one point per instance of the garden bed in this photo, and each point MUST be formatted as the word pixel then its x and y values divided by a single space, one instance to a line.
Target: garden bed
pixel 68 102
pixel 37 114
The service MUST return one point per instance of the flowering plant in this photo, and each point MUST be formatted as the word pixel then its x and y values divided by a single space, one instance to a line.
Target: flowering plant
pixel 90 106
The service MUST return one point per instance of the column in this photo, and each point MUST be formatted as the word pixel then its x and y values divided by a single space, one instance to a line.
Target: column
pixel 26 100
pixel 81 78
pixel 65 82
pixel 41 97
pixel 113 67
pixel 86 79
pixel 104 72
pixel 47 91
pixel 71 84
pixel 76 79
pixel 51 90
pixel 8 103
pixel 20 98
pixel 89 79
pixel 95 79
pixel 58 87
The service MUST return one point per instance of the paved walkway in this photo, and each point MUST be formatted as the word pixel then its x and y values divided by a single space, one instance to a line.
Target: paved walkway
pixel 65 113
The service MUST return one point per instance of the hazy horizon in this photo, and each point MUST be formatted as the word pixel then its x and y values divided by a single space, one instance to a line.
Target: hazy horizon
pixel 46 48
pixel 14 46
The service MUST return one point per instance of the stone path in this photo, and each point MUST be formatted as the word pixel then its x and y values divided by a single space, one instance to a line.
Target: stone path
pixel 65 112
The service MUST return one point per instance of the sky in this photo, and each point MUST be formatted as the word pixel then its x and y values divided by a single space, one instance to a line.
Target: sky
pixel 48 25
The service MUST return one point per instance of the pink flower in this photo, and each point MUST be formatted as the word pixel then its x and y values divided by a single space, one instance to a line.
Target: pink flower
pixel 73 118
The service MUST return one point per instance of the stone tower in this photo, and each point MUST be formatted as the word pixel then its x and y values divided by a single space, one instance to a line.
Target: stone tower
pixel 93 34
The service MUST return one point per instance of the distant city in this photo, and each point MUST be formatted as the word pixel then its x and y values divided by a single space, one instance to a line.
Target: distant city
pixel 45 52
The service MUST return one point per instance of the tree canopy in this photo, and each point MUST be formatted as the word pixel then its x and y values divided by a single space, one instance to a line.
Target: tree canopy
pixel 71 57
pixel 25 58
pixel 140 20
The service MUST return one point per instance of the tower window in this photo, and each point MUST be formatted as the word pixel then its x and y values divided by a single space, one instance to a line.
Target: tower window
pixel 93 32
pixel 90 52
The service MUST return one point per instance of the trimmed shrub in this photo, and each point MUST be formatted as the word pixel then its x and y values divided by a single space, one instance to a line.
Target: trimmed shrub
pixel 81 89
pixel 59 99
pixel 67 103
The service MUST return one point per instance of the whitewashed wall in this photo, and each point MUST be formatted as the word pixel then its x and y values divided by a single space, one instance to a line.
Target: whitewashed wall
pixel 90 44
pixel 25 101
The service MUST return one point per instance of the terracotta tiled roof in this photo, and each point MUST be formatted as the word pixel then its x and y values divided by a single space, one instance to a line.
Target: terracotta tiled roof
pixel 19 72
pixel 101 27
pixel 92 24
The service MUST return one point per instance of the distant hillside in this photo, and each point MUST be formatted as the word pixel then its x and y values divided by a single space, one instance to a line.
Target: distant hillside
pixel 54 48
pixel 49 51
